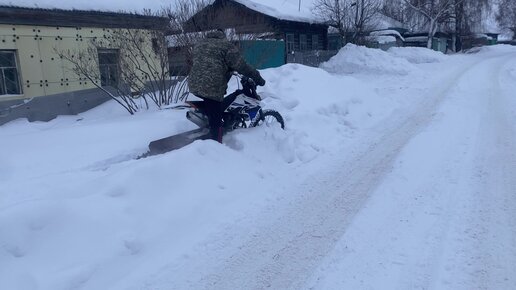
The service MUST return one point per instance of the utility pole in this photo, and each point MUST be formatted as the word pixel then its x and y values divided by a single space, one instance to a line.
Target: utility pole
pixel 355 34
pixel 299 8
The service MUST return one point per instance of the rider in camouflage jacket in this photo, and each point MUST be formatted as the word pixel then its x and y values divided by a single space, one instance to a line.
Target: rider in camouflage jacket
pixel 214 59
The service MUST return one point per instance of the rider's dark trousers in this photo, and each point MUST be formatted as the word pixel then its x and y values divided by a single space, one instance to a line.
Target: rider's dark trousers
pixel 215 111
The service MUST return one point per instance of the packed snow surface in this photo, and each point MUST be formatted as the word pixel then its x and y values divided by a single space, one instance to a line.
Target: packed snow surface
pixel 397 177
pixel 417 54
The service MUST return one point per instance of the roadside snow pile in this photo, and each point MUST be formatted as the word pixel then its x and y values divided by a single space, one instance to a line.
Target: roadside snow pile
pixel 318 112
pixel 417 55
pixel 353 59
pixel 494 49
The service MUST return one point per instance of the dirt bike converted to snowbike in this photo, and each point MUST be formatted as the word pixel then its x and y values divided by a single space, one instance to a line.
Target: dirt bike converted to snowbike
pixel 243 110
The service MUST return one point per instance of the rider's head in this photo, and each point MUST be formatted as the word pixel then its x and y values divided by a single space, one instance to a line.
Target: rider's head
pixel 216 33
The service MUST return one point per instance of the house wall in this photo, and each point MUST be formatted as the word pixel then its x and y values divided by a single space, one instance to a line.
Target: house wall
pixel 41 71
pixel 47 78
pixel 228 14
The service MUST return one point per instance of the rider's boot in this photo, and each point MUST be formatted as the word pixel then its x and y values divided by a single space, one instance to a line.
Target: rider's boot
pixel 216 134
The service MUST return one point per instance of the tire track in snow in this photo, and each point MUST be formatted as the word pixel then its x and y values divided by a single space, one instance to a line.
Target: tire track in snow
pixel 486 225
pixel 432 230
pixel 283 252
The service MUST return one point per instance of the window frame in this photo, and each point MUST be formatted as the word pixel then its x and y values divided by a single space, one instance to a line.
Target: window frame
pixel 109 67
pixel 315 41
pixel 3 85
pixel 290 43
pixel 303 42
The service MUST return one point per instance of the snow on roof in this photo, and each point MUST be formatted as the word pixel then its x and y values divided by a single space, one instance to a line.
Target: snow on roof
pixel 95 5
pixel 293 10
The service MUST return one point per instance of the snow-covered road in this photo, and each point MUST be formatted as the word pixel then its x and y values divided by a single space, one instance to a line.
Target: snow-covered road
pixel 401 175
pixel 443 216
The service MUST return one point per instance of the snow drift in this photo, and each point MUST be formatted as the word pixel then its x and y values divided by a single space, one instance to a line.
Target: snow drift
pixel 417 54
pixel 353 59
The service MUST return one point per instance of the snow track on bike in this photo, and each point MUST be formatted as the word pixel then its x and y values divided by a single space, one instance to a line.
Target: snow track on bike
pixel 386 208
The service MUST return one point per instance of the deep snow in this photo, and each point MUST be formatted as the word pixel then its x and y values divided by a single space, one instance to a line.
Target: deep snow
pixel 377 153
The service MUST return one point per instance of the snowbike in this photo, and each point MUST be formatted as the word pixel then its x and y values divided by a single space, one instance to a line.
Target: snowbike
pixel 243 110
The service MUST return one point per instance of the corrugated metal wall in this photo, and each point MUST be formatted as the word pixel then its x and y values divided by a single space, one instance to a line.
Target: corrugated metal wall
pixel 263 54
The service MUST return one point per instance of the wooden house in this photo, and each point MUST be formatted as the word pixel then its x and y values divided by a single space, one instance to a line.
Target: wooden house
pixel 35 83
pixel 440 41
pixel 478 39
pixel 269 20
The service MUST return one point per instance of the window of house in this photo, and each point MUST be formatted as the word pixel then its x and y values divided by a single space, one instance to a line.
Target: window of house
pixel 303 45
pixel 290 42
pixel 9 78
pixel 156 46
pixel 315 42
pixel 109 69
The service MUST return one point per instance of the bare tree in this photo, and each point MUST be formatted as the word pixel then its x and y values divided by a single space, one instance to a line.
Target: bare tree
pixel 180 36
pixel 141 69
pixel 467 18
pixel 396 10
pixel 349 17
pixel 85 63
pixel 434 13
pixel 460 18
pixel 365 16
pixel 506 15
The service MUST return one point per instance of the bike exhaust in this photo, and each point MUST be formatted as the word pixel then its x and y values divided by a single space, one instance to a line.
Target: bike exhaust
pixel 197 118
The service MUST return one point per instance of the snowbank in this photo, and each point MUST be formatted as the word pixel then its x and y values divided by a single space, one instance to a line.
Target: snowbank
pixel 417 54
pixel 319 113
pixel 493 49
pixel 353 59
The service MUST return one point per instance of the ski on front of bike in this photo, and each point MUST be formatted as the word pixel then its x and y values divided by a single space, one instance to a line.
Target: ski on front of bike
pixel 176 141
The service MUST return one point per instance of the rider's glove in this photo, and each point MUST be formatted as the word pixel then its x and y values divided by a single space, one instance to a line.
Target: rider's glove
pixel 260 82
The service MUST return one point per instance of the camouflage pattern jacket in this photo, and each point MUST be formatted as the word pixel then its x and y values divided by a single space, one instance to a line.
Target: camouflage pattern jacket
pixel 214 59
